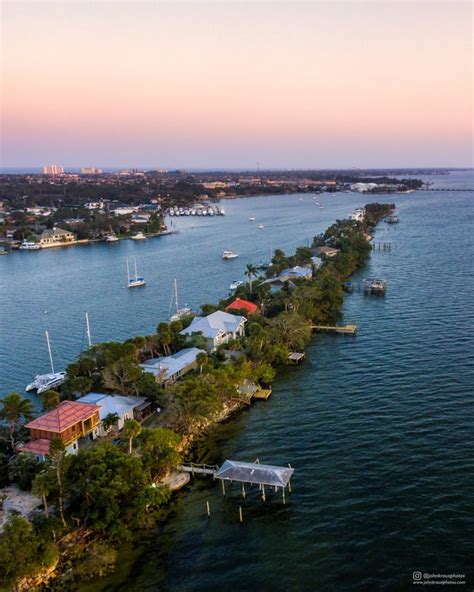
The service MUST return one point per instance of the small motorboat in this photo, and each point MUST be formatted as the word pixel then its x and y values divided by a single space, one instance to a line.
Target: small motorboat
pixel 235 284
pixel 229 255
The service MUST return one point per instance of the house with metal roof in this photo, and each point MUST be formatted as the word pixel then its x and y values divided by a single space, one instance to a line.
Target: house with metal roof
pixel 296 273
pixel 218 328
pixel 167 369
pixel 328 251
pixel 69 422
pixel 122 406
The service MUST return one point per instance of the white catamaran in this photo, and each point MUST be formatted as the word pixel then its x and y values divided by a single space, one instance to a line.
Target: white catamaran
pixel 134 282
pixel 44 382
pixel 180 312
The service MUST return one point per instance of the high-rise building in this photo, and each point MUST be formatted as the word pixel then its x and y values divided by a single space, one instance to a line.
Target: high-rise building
pixel 53 169
pixel 90 171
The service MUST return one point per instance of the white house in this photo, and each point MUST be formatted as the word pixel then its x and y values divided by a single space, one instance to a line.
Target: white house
pixel 122 405
pixel 218 328
pixel 169 368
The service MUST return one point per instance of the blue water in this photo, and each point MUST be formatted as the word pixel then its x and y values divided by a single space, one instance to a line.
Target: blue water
pixel 379 427
pixel 52 289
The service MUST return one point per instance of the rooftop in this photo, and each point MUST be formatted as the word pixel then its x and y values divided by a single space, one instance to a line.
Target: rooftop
pixel 40 446
pixel 214 323
pixel 67 413
pixel 245 472
pixel 240 304
pixel 108 404
pixel 170 365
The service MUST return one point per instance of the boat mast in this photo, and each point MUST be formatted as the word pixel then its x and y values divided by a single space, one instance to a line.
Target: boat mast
pixel 176 293
pixel 88 330
pixel 49 351
pixel 136 274
pixel 128 272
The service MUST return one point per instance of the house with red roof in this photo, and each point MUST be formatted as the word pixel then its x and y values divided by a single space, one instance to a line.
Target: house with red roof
pixel 69 422
pixel 240 304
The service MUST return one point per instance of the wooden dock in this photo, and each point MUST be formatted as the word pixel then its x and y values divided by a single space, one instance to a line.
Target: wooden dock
pixel 296 357
pixel 262 394
pixel 199 469
pixel 342 329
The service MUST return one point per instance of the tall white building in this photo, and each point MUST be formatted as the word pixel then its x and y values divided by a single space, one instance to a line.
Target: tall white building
pixel 53 169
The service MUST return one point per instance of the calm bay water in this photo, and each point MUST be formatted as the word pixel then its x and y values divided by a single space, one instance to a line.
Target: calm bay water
pixel 378 427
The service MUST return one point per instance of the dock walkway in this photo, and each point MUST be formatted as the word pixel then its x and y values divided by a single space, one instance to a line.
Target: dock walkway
pixel 343 329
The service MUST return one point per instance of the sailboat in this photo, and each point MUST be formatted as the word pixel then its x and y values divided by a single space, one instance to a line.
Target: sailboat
pixel 134 282
pixel 44 382
pixel 180 312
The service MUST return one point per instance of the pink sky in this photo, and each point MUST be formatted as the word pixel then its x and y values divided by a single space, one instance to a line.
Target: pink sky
pixel 226 85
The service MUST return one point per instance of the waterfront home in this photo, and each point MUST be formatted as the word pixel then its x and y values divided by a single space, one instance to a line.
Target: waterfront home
pixel 69 422
pixel 358 215
pixel 328 251
pixel 167 369
pixel 296 273
pixel 277 283
pixel 240 304
pixel 56 237
pixel 218 328
pixel 121 405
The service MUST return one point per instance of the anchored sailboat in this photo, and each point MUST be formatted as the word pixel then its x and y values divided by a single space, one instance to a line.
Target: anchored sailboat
pixel 134 282
pixel 44 382
pixel 180 312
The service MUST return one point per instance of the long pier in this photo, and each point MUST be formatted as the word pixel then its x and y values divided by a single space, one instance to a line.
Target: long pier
pixel 343 329
pixel 199 469
pixel 446 189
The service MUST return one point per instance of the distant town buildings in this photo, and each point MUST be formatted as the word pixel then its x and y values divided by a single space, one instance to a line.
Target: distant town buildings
pixel 53 169
pixel 90 171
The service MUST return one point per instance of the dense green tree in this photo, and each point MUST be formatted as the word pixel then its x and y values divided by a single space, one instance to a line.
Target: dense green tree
pixel 22 552
pixel 122 376
pixel 22 470
pixel 165 337
pixel 14 410
pixel 109 490
pixel 158 449
pixel 50 400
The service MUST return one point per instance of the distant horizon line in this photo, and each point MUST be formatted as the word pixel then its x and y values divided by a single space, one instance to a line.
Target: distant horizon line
pixel 74 168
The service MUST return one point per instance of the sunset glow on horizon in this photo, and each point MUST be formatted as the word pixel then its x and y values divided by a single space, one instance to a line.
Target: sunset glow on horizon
pixel 229 85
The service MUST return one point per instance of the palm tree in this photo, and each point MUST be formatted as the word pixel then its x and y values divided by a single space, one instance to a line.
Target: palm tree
pixel 56 453
pixel 109 420
pixel 251 273
pixel 131 429
pixel 201 360
pixel 50 400
pixel 13 410
pixel 42 487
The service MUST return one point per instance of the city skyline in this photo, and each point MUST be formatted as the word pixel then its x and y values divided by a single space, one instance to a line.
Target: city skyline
pixel 226 86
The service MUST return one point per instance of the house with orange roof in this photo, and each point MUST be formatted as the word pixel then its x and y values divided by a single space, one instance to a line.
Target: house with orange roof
pixel 69 422
pixel 240 304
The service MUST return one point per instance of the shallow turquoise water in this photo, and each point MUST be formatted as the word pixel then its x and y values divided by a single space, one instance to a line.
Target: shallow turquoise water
pixel 378 427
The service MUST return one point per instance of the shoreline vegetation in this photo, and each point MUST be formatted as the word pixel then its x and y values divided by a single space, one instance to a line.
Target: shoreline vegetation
pixel 117 486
